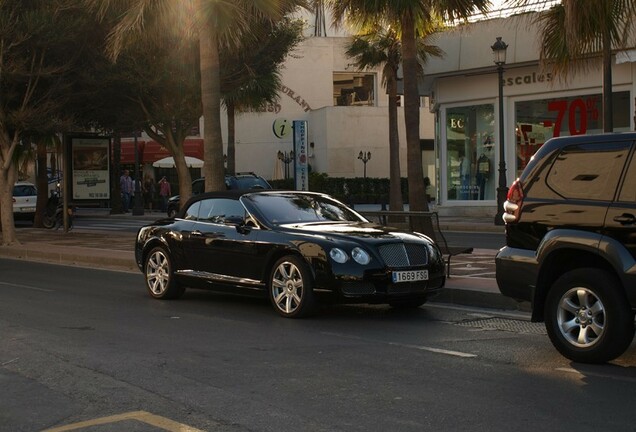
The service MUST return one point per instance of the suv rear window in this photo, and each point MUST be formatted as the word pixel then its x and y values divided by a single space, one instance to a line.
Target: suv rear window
pixel 628 193
pixel 588 171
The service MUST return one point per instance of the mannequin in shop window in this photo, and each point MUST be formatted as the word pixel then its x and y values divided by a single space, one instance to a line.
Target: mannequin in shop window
pixel 483 173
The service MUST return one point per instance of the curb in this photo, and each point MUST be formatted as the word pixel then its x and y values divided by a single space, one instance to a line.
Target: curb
pixel 491 299
pixel 73 256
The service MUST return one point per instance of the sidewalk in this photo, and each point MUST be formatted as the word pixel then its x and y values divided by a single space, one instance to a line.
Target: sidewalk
pixel 114 250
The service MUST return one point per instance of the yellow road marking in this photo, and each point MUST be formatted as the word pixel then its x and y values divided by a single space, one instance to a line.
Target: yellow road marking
pixel 142 416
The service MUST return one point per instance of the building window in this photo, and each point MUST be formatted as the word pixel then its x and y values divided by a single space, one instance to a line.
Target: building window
pixel 470 152
pixel 351 89
pixel 536 121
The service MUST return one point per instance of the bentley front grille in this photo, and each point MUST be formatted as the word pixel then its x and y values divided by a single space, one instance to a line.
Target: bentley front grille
pixel 397 255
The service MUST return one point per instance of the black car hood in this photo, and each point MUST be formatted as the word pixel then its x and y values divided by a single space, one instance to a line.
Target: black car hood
pixel 364 231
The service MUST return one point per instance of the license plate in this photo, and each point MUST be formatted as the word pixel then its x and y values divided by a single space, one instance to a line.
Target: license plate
pixel 27 210
pixel 410 276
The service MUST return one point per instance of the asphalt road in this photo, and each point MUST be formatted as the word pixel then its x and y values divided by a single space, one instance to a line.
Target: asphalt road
pixel 81 345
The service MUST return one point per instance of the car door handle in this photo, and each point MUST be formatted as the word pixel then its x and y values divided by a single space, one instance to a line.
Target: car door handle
pixel 196 233
pixel 625 219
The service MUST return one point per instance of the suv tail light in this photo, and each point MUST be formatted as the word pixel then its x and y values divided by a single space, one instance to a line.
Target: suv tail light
pixel 512 206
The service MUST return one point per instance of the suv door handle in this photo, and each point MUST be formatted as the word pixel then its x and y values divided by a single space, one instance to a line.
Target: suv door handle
pixel 625 219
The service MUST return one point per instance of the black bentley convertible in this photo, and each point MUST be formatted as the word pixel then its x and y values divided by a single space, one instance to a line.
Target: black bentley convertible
pixel 295 247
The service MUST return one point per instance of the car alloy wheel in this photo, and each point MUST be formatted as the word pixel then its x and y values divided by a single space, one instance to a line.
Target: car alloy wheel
pixel 290 288
pixel 581 317
pixel 588 317
pixel 159 276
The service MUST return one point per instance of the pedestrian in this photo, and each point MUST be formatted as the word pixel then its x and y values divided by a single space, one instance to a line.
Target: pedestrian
pixel 149 191
pixel 164 192
pixel 126 186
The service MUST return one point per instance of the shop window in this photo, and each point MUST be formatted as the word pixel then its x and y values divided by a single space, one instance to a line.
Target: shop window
pixel 537 121
pixel 470 158
pixel 353 89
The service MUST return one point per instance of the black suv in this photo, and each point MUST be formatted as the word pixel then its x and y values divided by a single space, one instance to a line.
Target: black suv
pixel 571 243
pixel 247 180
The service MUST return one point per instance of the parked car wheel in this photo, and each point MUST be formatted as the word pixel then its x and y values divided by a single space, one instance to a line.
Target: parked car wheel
pixel 291 288
pixel 160 276
pixel 48 221
pixel 588 317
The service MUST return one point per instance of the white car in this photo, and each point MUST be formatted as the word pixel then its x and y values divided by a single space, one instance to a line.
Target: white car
pixel 25 196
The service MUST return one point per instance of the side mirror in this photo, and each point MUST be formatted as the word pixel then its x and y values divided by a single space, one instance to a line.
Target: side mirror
pixel 234 220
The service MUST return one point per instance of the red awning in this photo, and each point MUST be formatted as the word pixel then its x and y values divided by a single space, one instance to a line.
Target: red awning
pixel 151 151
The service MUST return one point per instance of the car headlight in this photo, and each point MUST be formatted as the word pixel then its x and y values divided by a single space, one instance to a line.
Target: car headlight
pixel 360 256
pixel 338 255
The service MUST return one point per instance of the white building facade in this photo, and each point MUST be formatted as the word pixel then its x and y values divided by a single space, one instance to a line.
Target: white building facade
pixel 346 111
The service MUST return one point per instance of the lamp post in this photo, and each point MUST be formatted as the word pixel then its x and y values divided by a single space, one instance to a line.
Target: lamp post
pixel 365 157
pixel 499 57
pixel 286 158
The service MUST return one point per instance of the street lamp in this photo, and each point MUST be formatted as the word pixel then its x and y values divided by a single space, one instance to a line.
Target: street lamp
pixel 499 57
pixel 286 158
pixel 365 157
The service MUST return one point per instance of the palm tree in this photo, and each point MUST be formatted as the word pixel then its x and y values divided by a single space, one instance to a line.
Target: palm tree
pixel 381 46
pixel 251 76
pixel 218 25
pixel 413 16
pixel 590 27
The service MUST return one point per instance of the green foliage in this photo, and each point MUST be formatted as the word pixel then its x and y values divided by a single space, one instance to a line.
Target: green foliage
pixel 250 76
pixel 356 190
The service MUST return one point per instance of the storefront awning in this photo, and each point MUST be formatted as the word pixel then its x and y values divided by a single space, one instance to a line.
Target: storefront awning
pixel 627 56
pixel 152 151
pixel 168 162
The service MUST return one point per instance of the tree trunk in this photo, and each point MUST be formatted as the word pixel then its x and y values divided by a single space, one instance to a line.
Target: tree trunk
pixel 42 182
pixel 183 173
pixel 395 184
pixel 116 206
pixel 211 100
pixel 7 179
pixel 417 191
pixel 231 138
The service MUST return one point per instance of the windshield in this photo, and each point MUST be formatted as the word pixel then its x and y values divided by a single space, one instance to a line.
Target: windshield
pixel 24 190
pixel 247 182
pixel 286 208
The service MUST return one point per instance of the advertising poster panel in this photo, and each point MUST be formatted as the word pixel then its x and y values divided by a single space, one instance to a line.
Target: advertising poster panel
pixel 90 164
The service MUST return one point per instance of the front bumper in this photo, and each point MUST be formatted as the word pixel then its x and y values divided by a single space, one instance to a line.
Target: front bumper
pixel 377 287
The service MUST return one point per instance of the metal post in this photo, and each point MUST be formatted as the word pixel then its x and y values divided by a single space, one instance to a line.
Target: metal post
pixel 499 52
pixel 286 158
pixel 65 181
pixel 138 207
pixel 365 157
pixel 502 189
